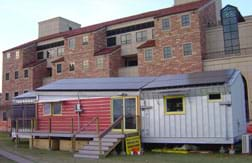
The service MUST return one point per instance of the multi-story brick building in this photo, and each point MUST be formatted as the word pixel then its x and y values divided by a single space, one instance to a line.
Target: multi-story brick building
pixel 168 41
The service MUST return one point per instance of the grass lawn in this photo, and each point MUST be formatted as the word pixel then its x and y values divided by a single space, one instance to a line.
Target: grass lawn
pixel 4 160
pixel 42 156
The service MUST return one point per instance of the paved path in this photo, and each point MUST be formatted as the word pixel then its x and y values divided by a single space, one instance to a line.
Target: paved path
pixel 14 157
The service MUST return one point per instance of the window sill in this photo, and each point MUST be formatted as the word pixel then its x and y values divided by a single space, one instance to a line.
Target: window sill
pixel 167 59
pixel 148 61
pixel 52 115
pixel 57 115
pixel 185 27
pixel 187 56
pixel 175 113
pixel 215 101
pixel 166 30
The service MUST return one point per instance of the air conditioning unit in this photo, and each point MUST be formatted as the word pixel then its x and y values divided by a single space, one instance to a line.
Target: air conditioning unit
pixel 78 108
pixel 246 144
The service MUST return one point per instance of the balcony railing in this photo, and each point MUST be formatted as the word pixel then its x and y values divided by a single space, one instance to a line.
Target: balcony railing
pixel 222 54
pixel 128 71
pixel 47 80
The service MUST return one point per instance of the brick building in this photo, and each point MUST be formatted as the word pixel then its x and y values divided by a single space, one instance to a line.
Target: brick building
pixel 168 41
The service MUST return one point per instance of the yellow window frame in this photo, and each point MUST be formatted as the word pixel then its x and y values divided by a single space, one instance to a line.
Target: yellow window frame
pixel 174 113
pixel 52 108
pixel 123 98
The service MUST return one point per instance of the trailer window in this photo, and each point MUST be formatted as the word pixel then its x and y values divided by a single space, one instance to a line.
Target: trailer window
pixel 56 108
pixel 214 97
pixel 47 109
pixel 174 105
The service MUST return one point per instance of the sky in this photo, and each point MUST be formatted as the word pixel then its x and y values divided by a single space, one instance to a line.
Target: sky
pixel 19 18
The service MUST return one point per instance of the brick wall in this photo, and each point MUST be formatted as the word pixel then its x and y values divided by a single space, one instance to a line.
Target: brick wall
pixel 14 85
pixel 174 38
pixel 97 42
pixel 38 73
pixel 207 18
pixel 29 54
pixel 115 62
pixel 100 40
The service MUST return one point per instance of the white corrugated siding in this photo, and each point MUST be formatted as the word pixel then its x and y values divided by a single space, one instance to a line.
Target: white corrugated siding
pixel 239 112
pixel 203 122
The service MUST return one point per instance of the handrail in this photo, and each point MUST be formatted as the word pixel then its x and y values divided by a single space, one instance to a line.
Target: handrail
pixel 117 122
pixel 88 124
pixel 101 135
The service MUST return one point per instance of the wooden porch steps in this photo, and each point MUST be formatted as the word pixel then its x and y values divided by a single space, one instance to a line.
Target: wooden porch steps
pixel 108 144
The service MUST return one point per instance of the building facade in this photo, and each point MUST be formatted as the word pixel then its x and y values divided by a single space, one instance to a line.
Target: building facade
pixel 173 40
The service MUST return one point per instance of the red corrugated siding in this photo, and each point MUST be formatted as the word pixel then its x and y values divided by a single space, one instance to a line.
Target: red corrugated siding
pixel 91 107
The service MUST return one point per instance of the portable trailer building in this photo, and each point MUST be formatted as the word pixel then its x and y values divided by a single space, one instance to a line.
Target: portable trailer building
pixel 196 108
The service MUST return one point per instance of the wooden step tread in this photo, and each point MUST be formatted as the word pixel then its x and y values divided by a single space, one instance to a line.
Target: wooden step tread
pixel 95 147
pixel 86 156
pixel 91 152
pixel 106 139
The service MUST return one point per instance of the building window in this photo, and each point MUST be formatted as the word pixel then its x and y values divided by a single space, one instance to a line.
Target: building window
pixel 26 73
pixel 47 54
pixel 167 52
pixel 52 108
pixel 26 91
pixel 130 61
pixel 141 36
pixel 7 76
pixel 111 41
pixel 16 74
pixel 17 54
pixel 214 97
pixel 71 67
pixel 99 62
pixel 136 27
pixel 230 30
pixel 166 24
pixel 5 116
pixel 85 40
pixel 15 94
pixel 187 49
pixel 60 51
pixel 71 43
pixel 56 108
pixel 59 68
pixel 126 39
pixel 174 104
pixel 185 20
pixel 148 53
pixel 85 65
pixel 7 96
pixel 40 55
pixel 47 109
pixel 8 55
